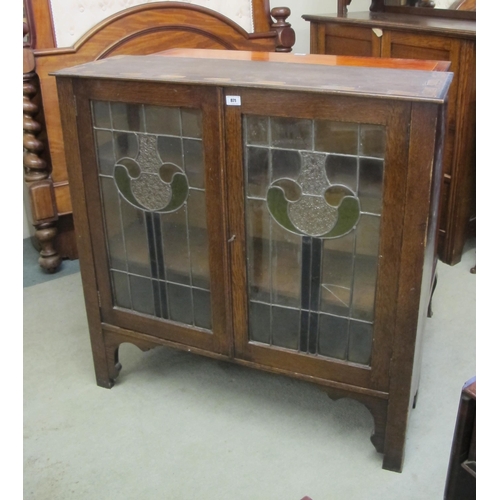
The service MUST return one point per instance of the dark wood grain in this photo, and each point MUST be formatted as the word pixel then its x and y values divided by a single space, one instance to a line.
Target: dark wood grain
pixel 319 59
pixel 103 372
pixel 387 83
pixel 461 476
pixel 410 311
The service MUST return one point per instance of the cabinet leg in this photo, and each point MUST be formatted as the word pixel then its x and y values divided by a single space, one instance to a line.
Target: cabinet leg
pixel 106 365
pixel 378 409
pixel 393 461
pixel 429 308
pixel 108 369
pixel 415 399
pixel 393 454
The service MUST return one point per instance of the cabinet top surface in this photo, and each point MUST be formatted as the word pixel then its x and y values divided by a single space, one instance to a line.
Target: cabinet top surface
pixel 456 27
pixel 321 59
pixel 279 73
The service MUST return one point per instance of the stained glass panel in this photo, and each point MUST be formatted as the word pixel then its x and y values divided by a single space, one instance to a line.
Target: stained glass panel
pixel 313 208
pixel 152 172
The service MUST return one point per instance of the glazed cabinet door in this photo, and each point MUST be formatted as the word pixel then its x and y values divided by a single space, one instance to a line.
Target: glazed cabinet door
pixel 152 166
pixel 316 189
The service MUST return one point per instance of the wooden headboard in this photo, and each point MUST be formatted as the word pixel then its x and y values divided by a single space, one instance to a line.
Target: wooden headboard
pixel 143 29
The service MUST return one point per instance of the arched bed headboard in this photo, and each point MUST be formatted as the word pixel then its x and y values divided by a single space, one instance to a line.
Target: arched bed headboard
pixel 142 29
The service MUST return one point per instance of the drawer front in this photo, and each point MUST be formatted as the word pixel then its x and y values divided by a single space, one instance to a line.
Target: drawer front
pixel 351 41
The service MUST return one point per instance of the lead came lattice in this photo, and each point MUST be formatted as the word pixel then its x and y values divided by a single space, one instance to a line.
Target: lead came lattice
pixel 151 173
pixel 312 235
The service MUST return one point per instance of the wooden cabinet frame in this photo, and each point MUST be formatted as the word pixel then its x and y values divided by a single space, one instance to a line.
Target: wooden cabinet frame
pixel 406 256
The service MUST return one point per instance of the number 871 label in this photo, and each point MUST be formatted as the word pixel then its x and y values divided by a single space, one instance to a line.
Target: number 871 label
pixel 233 100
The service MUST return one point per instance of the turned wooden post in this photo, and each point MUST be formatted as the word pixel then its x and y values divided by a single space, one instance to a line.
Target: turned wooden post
pixel 36 171
pixel 285 35
pixel 342 7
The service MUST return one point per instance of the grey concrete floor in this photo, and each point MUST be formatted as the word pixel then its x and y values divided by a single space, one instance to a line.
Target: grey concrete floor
pixel 183 427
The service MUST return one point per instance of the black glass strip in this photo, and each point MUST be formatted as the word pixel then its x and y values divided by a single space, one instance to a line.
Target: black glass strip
pixel 151 245
pixel 305 290
pixel 159 246
pixel 316 255
pixel 306 273
pixel 150 228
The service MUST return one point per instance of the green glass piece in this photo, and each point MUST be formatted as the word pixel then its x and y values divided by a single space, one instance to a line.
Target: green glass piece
pixel 131 165
pixel 291 189
pixel 179 192
pixel 167 171
pixel 336 193
pixel 348 215
pixel 122 179
pixel 278 206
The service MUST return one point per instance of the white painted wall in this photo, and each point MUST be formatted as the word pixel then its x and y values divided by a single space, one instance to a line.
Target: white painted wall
pixel 73 18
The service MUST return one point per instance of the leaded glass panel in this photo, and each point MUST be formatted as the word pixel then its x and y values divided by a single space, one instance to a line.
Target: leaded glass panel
pixel 313 208
pixel 151 172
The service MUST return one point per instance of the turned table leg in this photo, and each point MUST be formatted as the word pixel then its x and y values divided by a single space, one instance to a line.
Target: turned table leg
pixel 36 171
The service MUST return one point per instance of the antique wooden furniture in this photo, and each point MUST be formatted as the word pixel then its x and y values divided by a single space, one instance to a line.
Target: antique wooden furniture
pixel 405 32
pixel 458 9
pixel 461 480
pixel 228 206
pixel 142 29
